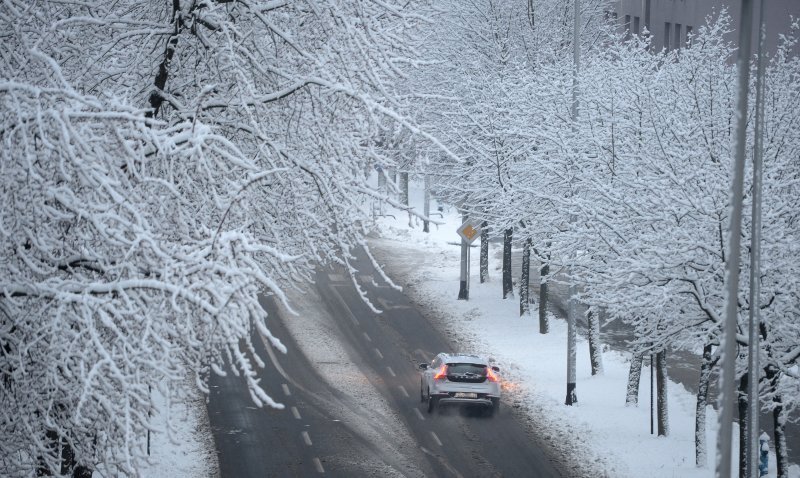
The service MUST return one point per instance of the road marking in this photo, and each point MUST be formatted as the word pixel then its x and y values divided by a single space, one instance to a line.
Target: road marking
pixel 391 372
pixel 296 413
pixel 403 389
pixel 387 305
pixel 307 438
pixel 344 304
pixel 436 439
pixel 367 278
pixel 422 354
pixel 318 465
pixel 379 354
pixel 268 346
pixel 337 277
pixel 367 337
pixel 286 390
pixel 419 414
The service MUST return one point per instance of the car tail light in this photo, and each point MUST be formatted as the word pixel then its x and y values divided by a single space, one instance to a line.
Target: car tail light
pixel 490 375
pixel 441 374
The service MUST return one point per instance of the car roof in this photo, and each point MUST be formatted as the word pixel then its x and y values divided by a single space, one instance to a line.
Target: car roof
pixel 464 358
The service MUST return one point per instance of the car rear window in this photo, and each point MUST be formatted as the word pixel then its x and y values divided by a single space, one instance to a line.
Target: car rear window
pixel 466 371
pixel 467 367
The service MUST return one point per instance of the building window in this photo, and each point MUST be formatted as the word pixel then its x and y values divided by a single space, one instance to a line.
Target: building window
pixel 627 27
pixel 688 34
pixel 636 25
pixel 667 30
pixel 678 38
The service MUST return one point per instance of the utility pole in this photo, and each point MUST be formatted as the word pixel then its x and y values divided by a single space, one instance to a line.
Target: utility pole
pixel 463 289
pixel 572 396
pixel 727 387
pixel 753 404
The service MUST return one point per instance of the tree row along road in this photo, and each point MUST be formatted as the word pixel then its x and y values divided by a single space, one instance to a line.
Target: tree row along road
pixel 318 432
pixel 683 365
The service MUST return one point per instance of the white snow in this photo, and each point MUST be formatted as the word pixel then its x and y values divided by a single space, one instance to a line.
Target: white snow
pixel 187 449
pixel 600 436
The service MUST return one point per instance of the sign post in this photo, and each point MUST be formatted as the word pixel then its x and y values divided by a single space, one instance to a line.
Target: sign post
pixel 469 231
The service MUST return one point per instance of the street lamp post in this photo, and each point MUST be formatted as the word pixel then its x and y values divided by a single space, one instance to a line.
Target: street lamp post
pixel 572 396
pixel 752 427
pixel 728 341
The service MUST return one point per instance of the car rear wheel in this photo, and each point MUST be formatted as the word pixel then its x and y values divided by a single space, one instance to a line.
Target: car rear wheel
pixel 421 393
pixel 491 411
pixel 431 402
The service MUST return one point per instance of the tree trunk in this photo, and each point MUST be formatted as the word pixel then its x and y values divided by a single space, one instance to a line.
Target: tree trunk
pixel 43 468
pixel 781 450
pixel 661 375
pixel 525 279
pixel 427 204
pixel 382 181
pixel 484 273
pixel 700 448
pixel 634 377
pixel 62 450
pixel 404 188
pixel 544 323
pixel 595 346
pixel 779 423
pixel 508 286
pixel 741 399
pixel 156 97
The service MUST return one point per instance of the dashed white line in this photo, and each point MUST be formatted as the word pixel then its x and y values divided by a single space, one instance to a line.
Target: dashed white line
pixel 403 389
pixel 436 439
pixel 379 354
pixel 318 465
pixel 307 438
pixel 296 413
pixel 286 390
pixel 391 372
pixel 367 337
pixel 344 304
pixel 419 414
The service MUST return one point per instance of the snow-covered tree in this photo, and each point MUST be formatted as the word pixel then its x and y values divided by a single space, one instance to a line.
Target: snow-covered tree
pixel 163 163
pixel 656 217
pixel 644 173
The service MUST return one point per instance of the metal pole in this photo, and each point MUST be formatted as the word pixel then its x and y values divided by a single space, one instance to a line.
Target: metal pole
pixel 463 290
pixel 728 341
pixel 752 426
pixel 652 403
pixel 571 329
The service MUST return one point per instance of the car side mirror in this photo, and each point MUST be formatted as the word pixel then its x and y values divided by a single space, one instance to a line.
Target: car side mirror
pixel 423 366
pixel 495 368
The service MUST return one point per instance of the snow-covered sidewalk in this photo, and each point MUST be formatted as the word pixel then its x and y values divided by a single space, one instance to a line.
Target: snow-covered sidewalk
pixel 600 433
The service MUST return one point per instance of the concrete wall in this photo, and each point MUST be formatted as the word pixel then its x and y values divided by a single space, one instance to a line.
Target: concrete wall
pixel 656 14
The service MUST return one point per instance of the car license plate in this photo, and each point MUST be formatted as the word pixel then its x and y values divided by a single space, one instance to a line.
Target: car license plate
pixel 466 395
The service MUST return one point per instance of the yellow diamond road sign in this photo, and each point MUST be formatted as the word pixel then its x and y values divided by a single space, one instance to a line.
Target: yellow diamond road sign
pixel 469 231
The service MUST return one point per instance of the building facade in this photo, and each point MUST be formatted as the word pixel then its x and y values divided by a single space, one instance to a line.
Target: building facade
pixel 671 22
